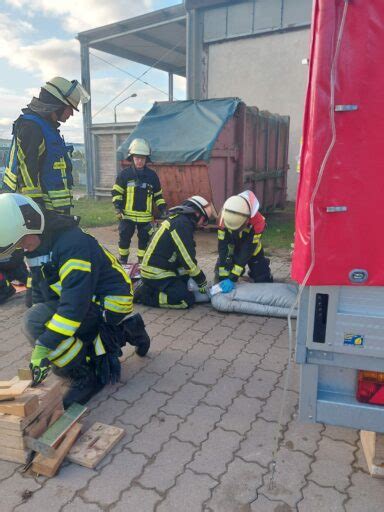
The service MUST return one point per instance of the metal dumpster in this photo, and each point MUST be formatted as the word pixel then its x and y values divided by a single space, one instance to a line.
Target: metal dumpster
pixel 216 148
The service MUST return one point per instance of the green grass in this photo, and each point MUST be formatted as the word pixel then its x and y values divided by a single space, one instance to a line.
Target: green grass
pixel 280 229
pixel 94 213
pixel 278 235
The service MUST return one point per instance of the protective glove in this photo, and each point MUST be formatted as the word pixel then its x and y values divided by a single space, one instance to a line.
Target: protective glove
pixel 203 287
pixel 163 214
pixel 108 369
pixel 39 364
pixel 119 214
pixel 227 285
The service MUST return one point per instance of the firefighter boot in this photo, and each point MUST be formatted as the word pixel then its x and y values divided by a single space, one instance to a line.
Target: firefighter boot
pixel 83 384
pixel 136 335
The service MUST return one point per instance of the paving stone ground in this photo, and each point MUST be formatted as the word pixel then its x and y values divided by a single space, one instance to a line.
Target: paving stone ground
pixel 200 414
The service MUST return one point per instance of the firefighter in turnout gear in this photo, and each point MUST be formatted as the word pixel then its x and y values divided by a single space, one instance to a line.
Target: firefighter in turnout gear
pixel 239 242
pixel 136 189
pixel 86 317
pixel 39 164
pixel 12 269
pixel 170 259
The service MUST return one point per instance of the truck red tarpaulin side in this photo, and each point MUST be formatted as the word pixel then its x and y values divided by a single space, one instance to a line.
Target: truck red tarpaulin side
pixel 348 206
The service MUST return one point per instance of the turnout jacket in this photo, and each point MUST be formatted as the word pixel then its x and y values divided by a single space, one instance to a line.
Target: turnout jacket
pixel 236 248
pixel 135 191
pixel 39 165
pixel 172 251
pixel 80 271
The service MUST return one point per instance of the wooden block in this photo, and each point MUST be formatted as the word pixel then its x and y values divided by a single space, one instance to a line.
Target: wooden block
pixel 15 455
pixel 94 444
pixel 24 374
pixel 48 393
pixel 373 448
pixel 16 389
pixel 8 383
pixel 47 442
pixel 49 466
pixel 40 425
pixel 23 406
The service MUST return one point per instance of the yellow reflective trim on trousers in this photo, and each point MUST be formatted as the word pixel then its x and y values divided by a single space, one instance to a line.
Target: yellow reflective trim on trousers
pixel 257 250
pixel 123 252
pixel 118 188
pixel 220 234
pixel 237 270
pixel 140 252
pixel 62 325
pixel 99 346
pixel 70 355
pixel 62 348
pixel 163 299
pixel 23 166
pixel 193 268
pixel 223 272
pixel 163 302
pixel 74 264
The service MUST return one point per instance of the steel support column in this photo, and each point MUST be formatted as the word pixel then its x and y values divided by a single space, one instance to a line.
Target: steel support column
pixel 170 86
pixel 87 120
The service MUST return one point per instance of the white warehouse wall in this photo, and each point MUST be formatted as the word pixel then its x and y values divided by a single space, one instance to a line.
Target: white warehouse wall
pixel 266 72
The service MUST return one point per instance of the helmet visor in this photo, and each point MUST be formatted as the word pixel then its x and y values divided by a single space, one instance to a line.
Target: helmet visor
pixel 7 251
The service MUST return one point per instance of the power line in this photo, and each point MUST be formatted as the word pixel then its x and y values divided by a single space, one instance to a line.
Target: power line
pixel 128 73
pixel 137 78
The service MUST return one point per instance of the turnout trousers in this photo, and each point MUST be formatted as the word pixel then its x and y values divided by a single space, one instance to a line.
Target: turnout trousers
pixel 167 293
pixel 126 230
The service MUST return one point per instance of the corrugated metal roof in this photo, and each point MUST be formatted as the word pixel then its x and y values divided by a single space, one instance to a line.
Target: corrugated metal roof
pixel 156 39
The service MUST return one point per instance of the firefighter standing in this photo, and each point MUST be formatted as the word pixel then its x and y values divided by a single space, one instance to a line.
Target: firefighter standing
pixel 170 259
pixel 86 316
pixel 239 242
pixel 136 189
pixel 39 163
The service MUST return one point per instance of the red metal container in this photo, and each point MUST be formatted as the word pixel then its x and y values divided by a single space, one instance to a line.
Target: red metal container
pixel 251 152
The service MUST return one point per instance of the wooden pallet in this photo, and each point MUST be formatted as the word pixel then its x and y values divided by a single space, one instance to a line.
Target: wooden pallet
pixel 373 448
pixel 95 444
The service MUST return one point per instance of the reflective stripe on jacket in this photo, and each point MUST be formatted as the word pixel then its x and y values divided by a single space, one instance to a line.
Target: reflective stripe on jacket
pixel 134 193
pixel 52 186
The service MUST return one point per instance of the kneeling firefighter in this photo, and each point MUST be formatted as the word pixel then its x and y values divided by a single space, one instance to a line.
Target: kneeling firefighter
pixel 86 317
pixel 170 259
pixel 239 242
pixel 12 269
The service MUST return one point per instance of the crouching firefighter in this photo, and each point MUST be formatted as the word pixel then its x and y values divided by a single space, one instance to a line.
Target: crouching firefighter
pixel 86 317
pixel 12 269
pixel 170 259
pixel 136 189
pixel 239 242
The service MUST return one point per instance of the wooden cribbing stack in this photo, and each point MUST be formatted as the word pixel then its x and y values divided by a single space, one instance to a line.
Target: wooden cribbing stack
pixel 35 429
pixel 26 412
